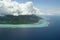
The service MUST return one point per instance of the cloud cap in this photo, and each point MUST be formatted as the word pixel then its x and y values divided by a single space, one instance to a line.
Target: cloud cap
pixel 9 7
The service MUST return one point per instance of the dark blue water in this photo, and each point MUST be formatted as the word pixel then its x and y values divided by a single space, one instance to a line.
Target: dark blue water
pixel 52 32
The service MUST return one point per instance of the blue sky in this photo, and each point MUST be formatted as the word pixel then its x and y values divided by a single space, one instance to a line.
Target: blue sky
pixel 42 7
pixel 45 5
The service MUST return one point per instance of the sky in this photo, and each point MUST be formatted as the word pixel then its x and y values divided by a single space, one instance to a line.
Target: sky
pixel 16 8
pixel 28 7
pixel 47 7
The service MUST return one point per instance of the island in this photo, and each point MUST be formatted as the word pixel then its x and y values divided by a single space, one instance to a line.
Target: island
pixel 21 19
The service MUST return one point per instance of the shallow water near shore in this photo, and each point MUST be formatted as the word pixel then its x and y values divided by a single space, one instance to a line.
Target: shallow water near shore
pixel 50 32
pixel 42 23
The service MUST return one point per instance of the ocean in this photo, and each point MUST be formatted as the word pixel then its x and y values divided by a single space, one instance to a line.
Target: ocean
pixel 52 32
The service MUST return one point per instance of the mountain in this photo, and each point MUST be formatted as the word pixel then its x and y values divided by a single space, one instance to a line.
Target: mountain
pixel 21 19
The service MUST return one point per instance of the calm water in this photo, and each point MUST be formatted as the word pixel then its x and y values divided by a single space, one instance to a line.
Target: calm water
pixel 52 32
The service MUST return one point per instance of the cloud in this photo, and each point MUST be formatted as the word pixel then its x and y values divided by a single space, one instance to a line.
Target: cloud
pixel 9 7
pixel 50 12
pixel 54 12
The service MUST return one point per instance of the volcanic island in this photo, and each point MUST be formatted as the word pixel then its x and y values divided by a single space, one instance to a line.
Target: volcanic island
pixel 21 19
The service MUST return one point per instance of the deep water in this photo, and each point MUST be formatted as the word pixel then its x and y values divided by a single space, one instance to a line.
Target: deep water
pixel 52 32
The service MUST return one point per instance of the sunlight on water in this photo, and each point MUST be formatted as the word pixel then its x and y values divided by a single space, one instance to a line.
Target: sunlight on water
pixel 42 23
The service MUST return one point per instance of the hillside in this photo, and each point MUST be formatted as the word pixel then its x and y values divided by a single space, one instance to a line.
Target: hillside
pixel 21 19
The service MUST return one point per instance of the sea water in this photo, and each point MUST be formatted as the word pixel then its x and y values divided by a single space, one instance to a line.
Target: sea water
pixel 50 32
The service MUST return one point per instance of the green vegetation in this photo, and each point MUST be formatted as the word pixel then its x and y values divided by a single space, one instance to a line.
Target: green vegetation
pixel 21 19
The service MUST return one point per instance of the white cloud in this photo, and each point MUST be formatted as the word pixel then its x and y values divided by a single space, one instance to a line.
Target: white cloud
pixel 9 7
pixel 50 12
pixel 54 12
